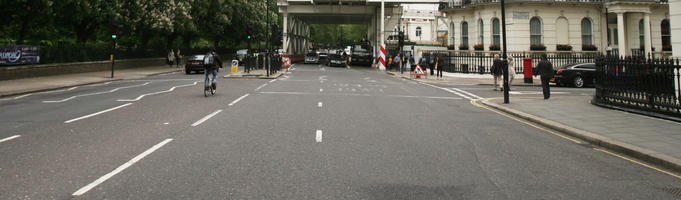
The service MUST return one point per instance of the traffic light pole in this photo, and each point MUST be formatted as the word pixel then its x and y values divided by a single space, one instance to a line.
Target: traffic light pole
pixel 268 58
pixel 505 67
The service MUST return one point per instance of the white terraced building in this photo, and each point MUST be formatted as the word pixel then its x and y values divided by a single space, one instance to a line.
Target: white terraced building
pixel 624 26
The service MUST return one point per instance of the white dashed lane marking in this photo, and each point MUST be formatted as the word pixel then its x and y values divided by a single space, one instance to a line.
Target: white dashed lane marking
pixel 97 113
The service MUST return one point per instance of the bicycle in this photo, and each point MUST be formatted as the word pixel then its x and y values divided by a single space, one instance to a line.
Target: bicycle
pixel 207 86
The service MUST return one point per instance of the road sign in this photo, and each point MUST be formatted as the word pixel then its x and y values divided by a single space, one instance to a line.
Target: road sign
pixel 235 65
pixel 418 70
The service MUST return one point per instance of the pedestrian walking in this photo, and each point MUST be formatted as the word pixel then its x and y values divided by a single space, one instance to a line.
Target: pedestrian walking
pixel 496 71
pixel 431 63
pixel 397 62
pixel 545 71
pixel 439 65
pixel 390 62
pixel 178 58
pixel 511 72
pixel 412 63
pixel 171 57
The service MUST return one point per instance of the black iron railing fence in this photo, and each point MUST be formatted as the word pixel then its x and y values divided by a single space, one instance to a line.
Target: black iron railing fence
pixel 481 62
pixel 650 85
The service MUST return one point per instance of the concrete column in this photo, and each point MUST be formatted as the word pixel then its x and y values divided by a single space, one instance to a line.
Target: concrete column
pixel 675 26
pixel 647 34
pixel 285 37
pixel 622 43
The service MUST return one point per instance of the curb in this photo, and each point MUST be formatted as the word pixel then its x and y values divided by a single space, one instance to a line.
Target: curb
pixel 639 153
pixel 81 84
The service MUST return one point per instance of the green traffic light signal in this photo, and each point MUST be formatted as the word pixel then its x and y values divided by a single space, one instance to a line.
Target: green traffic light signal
pixel 249 37
pixel 113 36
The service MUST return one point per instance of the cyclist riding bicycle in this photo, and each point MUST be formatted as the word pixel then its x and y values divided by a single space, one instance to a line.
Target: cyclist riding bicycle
pixel 211 62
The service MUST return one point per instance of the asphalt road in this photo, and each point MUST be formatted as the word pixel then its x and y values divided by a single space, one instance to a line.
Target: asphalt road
pixel 315 133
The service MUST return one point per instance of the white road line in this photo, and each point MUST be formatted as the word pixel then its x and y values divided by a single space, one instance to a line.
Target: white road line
pixel 321 89
pixel 457 93
pixel 119 169
pixel 468 93
pixel 318 136
pixel 263 85
pixel 153 93
pixel 97 113
pixel 9 138
pixel 206 118
pixel 273 80
pixel 319 104
pixel 454 92
pixel 96 93
pixel 340 89
pixel 237 100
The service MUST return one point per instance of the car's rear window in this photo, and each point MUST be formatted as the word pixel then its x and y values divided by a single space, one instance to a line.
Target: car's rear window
pixel 196 57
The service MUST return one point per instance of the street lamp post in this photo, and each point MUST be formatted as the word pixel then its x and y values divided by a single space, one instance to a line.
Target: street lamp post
pixel 505 68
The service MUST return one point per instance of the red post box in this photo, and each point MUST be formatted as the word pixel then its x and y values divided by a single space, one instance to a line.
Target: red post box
pixel 527 68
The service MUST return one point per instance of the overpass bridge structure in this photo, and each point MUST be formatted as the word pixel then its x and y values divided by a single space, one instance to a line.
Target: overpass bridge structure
pixel 299 14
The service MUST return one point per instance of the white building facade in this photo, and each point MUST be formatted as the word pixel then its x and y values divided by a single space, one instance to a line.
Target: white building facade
pixel 582 25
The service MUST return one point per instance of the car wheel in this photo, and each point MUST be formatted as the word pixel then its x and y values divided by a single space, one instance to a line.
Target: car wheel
pixel 578 81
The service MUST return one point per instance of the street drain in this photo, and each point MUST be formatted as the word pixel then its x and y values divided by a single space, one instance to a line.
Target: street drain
pixel 674 191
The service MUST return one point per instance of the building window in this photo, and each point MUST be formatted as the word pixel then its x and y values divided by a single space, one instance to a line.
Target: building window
pixel 666 34
pixel 496 39
pixel 587 32
pixel 617 37
pixel 464 33
pixel 535 31
pixel 418 31
pixel 609 38
pixel 481 32
pixel 641 34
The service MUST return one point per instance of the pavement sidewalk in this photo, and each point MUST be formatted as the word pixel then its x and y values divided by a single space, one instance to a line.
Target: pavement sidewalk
pixel 645 138
pixel 28 85
pixel 650 139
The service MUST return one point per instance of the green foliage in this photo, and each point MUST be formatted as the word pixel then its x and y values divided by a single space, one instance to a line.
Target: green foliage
pixel 337 34
pixel 144 23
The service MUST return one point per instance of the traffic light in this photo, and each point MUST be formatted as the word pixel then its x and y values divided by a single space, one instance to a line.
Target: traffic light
pixel 249 37
pixel 276 35
pixel 115 28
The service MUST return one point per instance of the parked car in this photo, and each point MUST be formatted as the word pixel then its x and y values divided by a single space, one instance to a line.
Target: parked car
pixel 194 64
pixel 312 58
pixel 577 75
pixel 323 55
pixel 241 53
pixel 336 60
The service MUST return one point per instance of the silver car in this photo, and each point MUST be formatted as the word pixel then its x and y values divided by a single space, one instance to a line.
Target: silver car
pixel 311 58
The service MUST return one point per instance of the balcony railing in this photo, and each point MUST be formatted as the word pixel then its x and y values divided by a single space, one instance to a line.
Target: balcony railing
pixel 457 4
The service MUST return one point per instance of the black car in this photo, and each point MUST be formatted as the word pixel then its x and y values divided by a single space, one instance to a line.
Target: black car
pixel 577 75
pixel 336 60
pixel 194 64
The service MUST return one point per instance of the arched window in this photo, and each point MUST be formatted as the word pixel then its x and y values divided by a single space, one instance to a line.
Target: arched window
pixel 535 30
pixel 587 32
pixel 481 32
pixel 451 36
pixel 641 34
pixel 464 33
pixel 418 31
pixel 496 39
pixel 666 35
